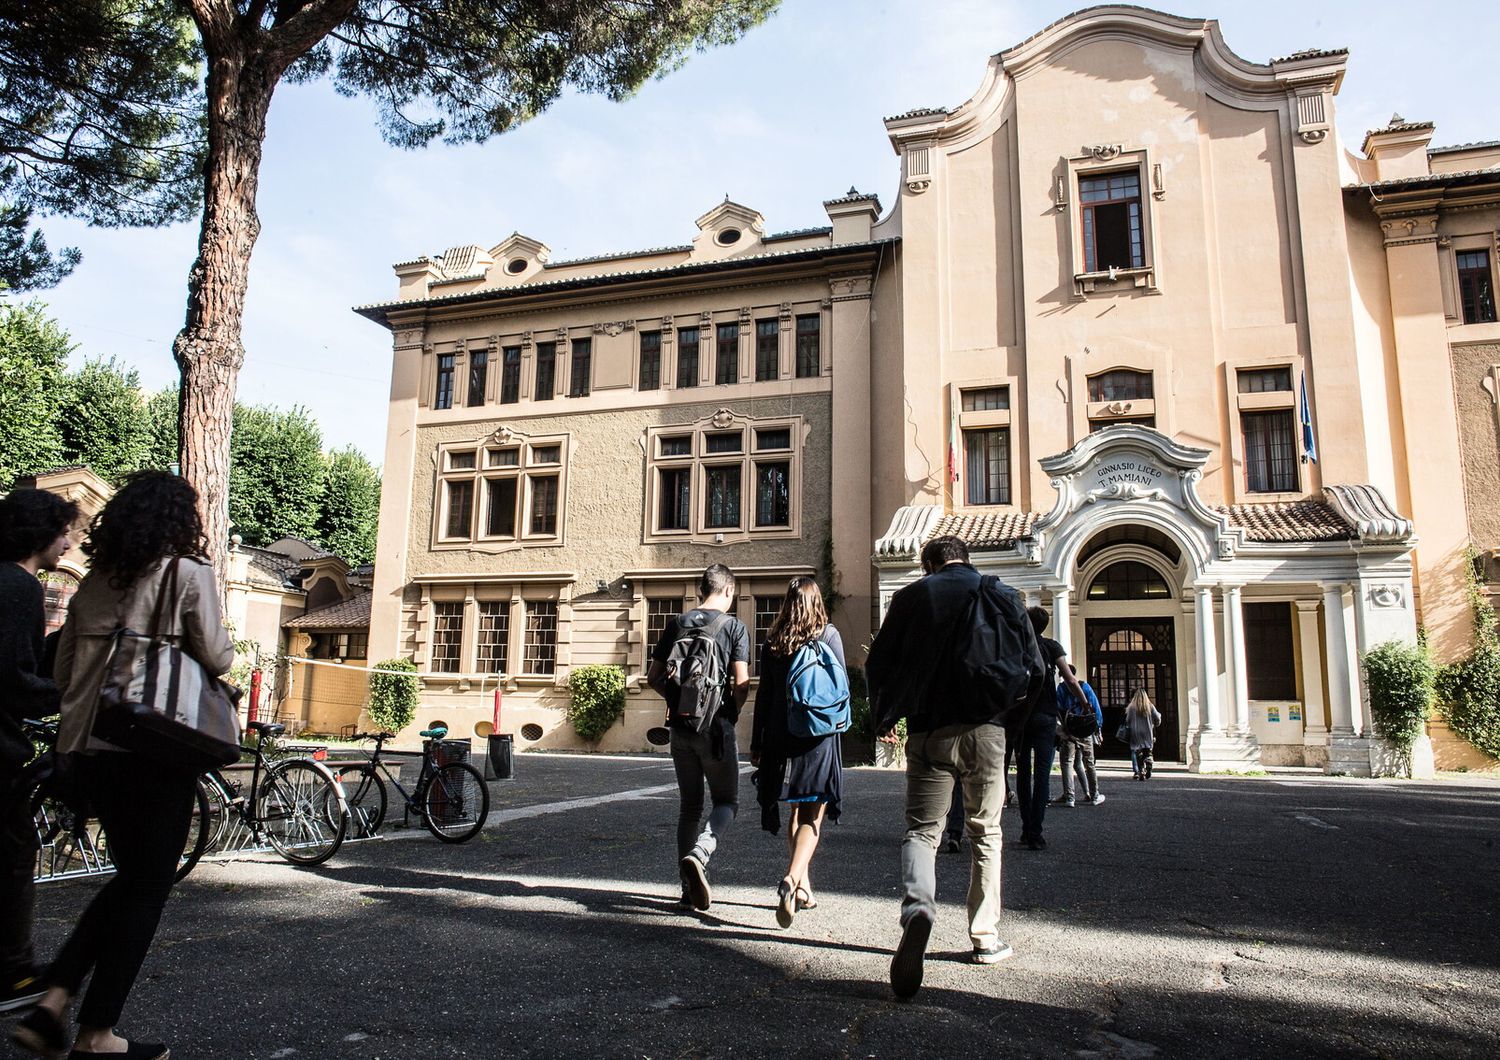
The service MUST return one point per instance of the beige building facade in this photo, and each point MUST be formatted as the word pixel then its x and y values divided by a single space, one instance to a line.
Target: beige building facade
pixel 1138 326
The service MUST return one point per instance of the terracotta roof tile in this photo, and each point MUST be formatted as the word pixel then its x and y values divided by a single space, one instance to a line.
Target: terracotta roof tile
pixel 1289 521
pixel 353 613
pixel 990 530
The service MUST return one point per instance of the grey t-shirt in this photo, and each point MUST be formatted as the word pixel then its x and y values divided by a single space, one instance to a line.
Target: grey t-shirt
pixel 732 640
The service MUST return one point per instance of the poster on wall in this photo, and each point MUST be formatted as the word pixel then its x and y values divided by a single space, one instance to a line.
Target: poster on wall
pixel 1294 712
pixel 1273 712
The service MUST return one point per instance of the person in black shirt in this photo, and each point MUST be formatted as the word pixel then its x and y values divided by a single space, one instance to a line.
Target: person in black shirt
pixel 1039 737
pixel 33 537
pixel 712 755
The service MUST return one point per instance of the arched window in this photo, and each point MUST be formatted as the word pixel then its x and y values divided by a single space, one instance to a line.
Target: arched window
pixel 58 587
pixel 1121 384
pixel 1128 580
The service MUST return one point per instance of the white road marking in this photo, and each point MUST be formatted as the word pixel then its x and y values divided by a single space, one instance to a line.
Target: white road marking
pixel 1307 818
pixel 541 809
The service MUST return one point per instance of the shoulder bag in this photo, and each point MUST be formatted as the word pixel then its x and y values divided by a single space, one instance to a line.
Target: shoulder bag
pixel 158 701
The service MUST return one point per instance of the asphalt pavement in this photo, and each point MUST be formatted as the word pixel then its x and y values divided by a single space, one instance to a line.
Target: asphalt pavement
pixel 1189 916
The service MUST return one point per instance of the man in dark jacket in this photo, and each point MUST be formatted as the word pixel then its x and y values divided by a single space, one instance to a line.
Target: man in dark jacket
pixel 913 674
pixel 33 537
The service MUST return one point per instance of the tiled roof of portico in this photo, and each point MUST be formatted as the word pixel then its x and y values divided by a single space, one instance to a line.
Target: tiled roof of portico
pixel 353 613
pixel 1289 521
pixel 987 530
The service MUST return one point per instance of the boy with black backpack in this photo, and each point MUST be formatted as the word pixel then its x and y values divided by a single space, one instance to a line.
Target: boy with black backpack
pixel 701 667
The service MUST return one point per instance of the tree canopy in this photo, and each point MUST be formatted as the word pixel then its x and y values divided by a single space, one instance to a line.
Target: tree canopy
pixel 101 117
pixel 33 357
pixel 104 420
pixel 351 506
pixel 456 70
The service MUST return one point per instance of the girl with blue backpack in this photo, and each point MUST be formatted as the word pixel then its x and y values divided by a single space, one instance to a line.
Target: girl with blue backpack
pixel 801 707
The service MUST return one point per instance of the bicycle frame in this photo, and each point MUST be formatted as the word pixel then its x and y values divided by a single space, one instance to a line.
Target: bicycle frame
pixel 409 798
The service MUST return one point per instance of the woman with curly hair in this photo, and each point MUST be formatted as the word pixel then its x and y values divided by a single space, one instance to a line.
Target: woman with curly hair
pixel 806 772
pixel 147 529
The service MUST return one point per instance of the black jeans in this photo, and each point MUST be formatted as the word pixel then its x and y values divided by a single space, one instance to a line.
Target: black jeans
pixel 1034 773
pixel 18 848
pixel 145 810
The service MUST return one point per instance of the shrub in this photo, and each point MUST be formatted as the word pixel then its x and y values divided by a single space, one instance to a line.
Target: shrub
pixel 598 699
pixel 1401 678
pixel 859 703
pixel 393 696
pixel 1469 690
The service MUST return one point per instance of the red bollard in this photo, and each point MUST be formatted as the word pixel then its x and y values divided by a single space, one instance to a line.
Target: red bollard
pixel 496 728
pixel 254 695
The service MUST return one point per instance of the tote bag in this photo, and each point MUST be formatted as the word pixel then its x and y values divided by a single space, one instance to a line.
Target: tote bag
pixel 159 701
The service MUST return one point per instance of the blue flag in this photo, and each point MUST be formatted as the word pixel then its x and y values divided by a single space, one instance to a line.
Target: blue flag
pixel 1309 443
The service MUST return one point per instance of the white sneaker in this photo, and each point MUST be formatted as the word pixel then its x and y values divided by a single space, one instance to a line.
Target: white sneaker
pixel 1097 799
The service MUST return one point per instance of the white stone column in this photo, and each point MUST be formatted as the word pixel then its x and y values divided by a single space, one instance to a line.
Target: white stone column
pixel 1348 748
pixel 1062 620
pixel 1314 708
pixel 1238 711
pixel 1208 661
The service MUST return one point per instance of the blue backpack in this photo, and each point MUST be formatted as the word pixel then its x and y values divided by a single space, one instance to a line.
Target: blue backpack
pixel 817 692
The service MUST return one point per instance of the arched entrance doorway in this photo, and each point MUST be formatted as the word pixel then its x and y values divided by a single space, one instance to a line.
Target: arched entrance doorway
pixel 1129 580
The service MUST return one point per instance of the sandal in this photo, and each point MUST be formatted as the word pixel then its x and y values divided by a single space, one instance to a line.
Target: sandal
pixel 786 903
pixel 805 900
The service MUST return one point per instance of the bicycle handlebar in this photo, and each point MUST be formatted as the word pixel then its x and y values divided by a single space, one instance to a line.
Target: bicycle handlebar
pixel 378 737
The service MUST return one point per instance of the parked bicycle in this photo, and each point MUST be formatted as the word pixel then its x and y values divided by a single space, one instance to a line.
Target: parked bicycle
pixel 450 798
pixel 70 841
pixel 295 804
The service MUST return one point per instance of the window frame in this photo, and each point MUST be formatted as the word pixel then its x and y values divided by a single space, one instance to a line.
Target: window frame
pixel 510 375
pixel 512 592
pixel 527 470
pixel 726 353
pixel 767 369
pixel 1103 160
pixel 549 357
pixel 700 464
pixel 443 385
pixel 581 368
pixel 649 354
pixel 475 395
pixel 801 363
pixel 686 372
pixel 1487 272
pixel 982 420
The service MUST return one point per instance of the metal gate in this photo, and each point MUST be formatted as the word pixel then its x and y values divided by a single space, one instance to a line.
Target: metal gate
pixel 1125 654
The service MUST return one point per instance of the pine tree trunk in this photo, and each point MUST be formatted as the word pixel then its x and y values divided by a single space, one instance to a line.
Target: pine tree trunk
pixel 209 350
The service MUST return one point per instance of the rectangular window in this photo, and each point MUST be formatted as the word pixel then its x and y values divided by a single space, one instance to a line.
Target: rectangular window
pixel 687 358
pixel 546 371
pixel 479 372
pixel 546 454
pixel 987 399
pixel 1476 286
pixel 461 460
pixel 809 354
pixel 766 610
pixel 510 375
pixel 1265 380
pixel 721 507
pixel 443 399
pixel 659 611
pixel 500 519
pixel 447 635
pixel 674 505
pixel 725 443
pixel 578 376
pixel 460 508
pixel 503 458
pixel 681 446
pixel 767 351
pixel 773 494
pixel 727 358
pixel 544 505
pixel 777 438
pixel 1270 451
pixel 540 654
pixel 1121 385
pixel 1269 660
pixel 650 360
pixel 1112 234
pixel 987 464
pixel 492 638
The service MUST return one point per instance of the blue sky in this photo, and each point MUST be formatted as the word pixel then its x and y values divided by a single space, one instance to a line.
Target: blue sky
pixel 788 117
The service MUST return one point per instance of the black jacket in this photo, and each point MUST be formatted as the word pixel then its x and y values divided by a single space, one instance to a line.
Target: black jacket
pixel 908 671
pixel 24 692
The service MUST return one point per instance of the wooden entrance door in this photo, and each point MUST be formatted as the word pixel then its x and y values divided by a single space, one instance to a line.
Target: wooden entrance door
pixel 1125 654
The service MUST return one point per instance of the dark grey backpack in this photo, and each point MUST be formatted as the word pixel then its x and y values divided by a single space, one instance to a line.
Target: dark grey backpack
pixel 696 671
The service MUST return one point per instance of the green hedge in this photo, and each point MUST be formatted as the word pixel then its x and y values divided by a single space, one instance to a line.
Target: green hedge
pixel 598 699
pixel 393 696
pixel 1469 690
pixel 1401 679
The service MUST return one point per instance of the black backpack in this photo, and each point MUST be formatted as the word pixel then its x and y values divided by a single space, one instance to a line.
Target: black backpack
pixel 996 668
pixel 696 672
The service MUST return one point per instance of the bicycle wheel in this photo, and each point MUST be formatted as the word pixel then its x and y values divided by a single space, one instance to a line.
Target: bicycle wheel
pixel 455 802
pixel 302 809
pixel 364 791
pixel 199 832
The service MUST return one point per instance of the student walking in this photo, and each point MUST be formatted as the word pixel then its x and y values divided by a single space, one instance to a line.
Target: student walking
pixel 1078 735
pixel 148 530
pixel 1039 734
pixel 955 735
pixel 701 667
pixel 804 771
pixel 33 537
pixel 1139 730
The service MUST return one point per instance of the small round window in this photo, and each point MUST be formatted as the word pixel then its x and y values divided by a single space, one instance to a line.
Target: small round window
pixel 516 265
pixel 728 236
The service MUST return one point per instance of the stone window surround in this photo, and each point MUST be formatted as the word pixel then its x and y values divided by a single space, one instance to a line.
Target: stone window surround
pixel 1095 161
pixel 708 323
pixel 502 438
pixel 750 582
pixel 1450 248
pixel 701 460
pixel 1263 402
pixel 513 588
pixel 989 419
pixel 1102 412
pixel 1082 370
